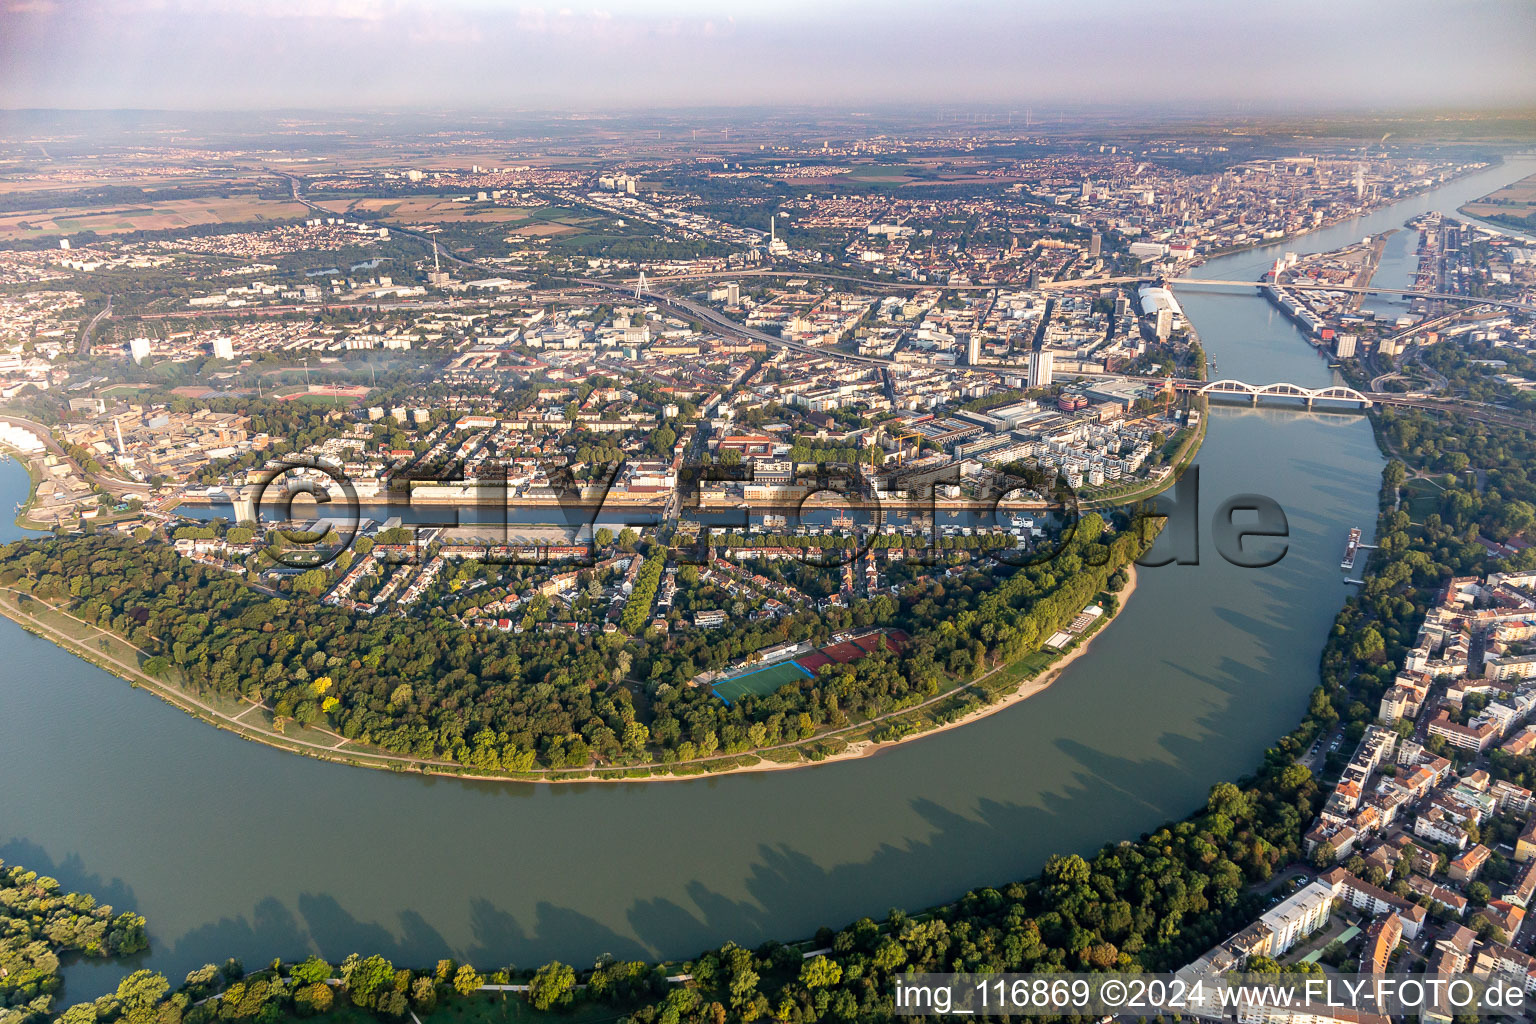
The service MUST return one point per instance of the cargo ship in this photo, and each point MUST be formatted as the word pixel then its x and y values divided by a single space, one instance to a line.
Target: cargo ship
pixel 1351 548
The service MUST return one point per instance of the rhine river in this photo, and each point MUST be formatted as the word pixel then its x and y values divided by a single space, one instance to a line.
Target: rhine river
pixel 231 848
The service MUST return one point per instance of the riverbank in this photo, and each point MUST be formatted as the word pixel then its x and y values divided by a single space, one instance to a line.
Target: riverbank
pixel 113 654
pixel 1333 222
pixel 792 503
pixel 1029 687
pixel 1210 664
pixel 1102 498
pixel 1511 205
pixel 22 517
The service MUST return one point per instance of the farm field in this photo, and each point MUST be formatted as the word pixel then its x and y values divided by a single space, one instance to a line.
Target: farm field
pixel 916 173
pixel 87 176
pixel 176 213
pixel 417 209
pixel 1513 200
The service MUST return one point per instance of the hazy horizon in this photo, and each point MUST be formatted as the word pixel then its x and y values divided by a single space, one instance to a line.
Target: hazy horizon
pixel 629 55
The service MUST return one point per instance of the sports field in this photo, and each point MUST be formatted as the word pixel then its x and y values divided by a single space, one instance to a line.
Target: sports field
pixel 760 681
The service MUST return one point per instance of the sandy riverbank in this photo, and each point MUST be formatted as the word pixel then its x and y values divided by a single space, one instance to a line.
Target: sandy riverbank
pixel 1028 688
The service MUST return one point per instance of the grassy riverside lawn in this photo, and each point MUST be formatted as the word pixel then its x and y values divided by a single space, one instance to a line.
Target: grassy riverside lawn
pixel 113 654
pixel 1002 686
pixel 491 1007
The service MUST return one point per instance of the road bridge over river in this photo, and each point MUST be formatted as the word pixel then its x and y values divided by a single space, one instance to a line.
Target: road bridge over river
pixel 1335 392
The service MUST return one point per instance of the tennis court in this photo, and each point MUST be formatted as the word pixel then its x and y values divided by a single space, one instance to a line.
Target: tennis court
pixel 760 681
pixel 812 662
pixel 844 652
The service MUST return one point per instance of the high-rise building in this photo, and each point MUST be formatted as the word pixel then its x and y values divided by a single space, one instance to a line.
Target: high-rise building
pixel 223 348
pixel 138 349
pixel 1040 365
pixel 1164 323
pixel 1344 346
pixel 1094 244
pixel 972 348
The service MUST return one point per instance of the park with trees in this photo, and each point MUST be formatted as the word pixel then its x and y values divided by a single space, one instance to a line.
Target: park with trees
pixel 551 700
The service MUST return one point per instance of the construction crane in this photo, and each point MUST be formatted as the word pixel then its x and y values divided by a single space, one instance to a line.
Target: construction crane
pixel 899 450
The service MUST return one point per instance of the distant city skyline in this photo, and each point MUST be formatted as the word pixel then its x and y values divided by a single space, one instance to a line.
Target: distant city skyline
pixel 234 54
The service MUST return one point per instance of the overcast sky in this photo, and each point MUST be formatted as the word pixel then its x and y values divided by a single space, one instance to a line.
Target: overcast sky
pixel 626 54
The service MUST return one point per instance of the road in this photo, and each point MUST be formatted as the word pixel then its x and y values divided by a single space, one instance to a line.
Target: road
pixel 728 326
pixel 298 197
pixel 1081 282
pixel 84 347
pixel 113 485
pixel 1367 290
pixel 293 183
pixel 1471 410
pixel 731 327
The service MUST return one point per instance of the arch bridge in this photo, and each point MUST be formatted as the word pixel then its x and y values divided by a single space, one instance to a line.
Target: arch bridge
pixel 1334 392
